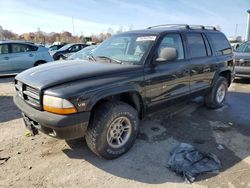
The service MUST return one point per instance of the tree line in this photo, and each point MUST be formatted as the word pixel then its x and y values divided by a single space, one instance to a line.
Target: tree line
pixel 49 38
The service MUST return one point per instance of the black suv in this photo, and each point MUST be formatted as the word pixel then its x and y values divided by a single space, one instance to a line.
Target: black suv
pixel 127 76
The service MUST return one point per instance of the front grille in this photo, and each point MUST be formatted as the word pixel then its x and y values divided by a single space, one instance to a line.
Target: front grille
pixel 28 94
pixel 245 63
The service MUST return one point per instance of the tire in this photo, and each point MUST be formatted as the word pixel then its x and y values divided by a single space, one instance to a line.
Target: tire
pixel 39 63
pixel 60 58
pixel 215 99
pixel 112 121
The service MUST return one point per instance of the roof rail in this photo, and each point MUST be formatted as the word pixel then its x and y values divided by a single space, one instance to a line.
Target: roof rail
pixel 185 26
pixel 169 25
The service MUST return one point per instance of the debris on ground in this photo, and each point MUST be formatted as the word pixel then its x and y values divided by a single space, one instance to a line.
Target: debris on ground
pixel 28 134
pixel 4 159
pixel 220 126
pixel 220 147
pixel 187 161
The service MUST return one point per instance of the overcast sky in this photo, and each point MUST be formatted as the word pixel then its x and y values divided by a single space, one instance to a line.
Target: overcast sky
pixel 95 16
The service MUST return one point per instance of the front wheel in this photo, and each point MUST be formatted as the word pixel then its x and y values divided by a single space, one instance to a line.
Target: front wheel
pixel 113 129
pixel 216 97
pixel 61 58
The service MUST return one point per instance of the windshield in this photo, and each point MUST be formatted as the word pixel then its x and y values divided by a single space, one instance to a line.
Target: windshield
pixel 82 54
pixel 128 48
pixel 245 47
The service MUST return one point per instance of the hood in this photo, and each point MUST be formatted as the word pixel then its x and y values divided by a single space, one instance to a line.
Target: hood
pixel 55 73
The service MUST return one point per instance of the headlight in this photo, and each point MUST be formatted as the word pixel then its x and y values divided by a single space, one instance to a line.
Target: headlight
pixel 58 105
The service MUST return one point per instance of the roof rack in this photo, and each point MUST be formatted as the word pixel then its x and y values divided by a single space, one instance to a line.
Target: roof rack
pixel 184 26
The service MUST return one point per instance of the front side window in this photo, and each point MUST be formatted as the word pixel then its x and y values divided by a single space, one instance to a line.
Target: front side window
pixel 196 45
pixel 172 41
pixel 4 49
pixel 18 48
pixel 128 48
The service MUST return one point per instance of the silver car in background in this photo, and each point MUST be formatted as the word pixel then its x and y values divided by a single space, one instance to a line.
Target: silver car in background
pixel 242 60
pixel 16 56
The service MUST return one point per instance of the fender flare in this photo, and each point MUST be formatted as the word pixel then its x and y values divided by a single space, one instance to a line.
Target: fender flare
pixel 104 93
pixel 217 74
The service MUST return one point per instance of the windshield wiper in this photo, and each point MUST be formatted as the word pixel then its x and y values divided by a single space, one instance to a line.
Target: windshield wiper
pixel 110 59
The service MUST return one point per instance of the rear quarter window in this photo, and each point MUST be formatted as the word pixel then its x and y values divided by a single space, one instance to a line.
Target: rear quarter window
pixel 220 43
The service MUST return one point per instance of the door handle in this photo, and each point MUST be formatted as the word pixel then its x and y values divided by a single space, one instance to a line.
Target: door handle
pixel 6 58
pixel 31 55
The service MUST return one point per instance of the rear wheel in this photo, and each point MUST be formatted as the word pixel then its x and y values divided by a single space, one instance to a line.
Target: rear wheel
pixel 216 97
pixel 113 129
pixel 39 63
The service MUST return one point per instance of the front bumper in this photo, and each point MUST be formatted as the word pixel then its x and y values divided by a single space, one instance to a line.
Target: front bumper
pixel 241 71
pixel 59 126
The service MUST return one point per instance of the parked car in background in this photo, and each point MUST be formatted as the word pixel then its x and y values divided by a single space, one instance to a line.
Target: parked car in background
pixel 242 60
pixel 16 56
pixel 56 47
pixel 67 50
pixel 83 54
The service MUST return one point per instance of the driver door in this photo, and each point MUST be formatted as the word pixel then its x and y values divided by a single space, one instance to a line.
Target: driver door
pixel 167 80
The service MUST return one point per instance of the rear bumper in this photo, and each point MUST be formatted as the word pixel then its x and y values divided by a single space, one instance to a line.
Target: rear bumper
pixel 59 126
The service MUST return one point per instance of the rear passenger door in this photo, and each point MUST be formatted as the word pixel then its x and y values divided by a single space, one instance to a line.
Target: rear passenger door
pixel 202 63
pixel 22 56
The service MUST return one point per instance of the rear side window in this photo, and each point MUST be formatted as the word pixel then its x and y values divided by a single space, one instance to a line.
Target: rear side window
pixel 4 49
pixel 19 48
pixel 220 43
pixel 196 45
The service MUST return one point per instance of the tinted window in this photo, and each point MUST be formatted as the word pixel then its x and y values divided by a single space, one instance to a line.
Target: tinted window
pixel 173 41
pixel 196 45
pixel 18 48
pixel 220 43
pixel 208 47
pixel 4 49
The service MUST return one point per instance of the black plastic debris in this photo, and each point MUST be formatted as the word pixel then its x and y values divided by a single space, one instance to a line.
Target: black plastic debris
pixel 187 161
pixel 4 159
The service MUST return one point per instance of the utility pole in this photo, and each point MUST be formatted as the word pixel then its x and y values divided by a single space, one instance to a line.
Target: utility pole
pixel 236 30
pixel 73 26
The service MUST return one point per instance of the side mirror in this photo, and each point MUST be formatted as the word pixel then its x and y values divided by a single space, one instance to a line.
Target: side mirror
pixel 167 54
